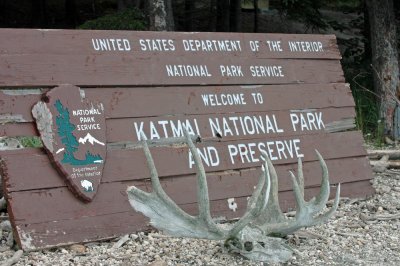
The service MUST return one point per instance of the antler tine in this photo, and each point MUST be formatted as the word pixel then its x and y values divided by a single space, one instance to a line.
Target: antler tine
pixel 155 181
pixel 325 216
pixel 316 204
pixel 274 180
pixel 323 195
pixel 305 210
pixel 202 187
pixel 256 205
pixel 147 202
pixel 298 192
pixel 300 176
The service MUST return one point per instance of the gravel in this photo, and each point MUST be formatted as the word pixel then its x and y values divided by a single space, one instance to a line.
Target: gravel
pixel 364 232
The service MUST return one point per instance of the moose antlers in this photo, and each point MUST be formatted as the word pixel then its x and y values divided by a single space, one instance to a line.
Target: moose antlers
pixel 262 219
pixel 167 216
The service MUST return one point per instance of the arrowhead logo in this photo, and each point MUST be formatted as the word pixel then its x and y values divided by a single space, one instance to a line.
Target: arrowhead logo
pixel 73 132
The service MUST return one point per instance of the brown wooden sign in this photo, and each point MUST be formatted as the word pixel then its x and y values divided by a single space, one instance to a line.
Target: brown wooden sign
pixel 242 93
pixel 73 130
pixel 110 58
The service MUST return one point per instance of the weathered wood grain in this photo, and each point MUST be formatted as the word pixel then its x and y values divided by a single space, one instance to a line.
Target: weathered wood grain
pixel 226 127
pixel 109 70
pixel 188 100
pixel 79 42
pixel 131 65
pixel 233 126
pixel 123 165
pixel 20 177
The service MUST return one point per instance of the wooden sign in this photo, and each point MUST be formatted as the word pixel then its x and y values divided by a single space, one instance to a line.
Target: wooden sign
pixel 242 93
pixel 73 132
pixel 110 58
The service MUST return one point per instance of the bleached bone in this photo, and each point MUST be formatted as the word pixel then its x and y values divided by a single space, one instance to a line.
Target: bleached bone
pixel 164 214
pixel 274 223
pixel 251 235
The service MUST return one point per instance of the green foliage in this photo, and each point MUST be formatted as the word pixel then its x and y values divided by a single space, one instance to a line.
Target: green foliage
pixel 129 19
pixel 367 109
pixel 306 11
pixel 343 5
pixel 30 142
pixel 356 64
pixel 367 104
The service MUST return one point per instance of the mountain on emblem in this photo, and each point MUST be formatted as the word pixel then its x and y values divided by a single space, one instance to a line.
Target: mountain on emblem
pixel 92 140
pixel 73 131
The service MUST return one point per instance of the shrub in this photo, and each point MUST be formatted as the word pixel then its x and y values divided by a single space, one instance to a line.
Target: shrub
pixel 129 19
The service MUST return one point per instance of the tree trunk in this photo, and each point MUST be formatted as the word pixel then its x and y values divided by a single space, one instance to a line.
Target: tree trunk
pixel 222 15
pixel 157 15
pixel 170 15
pixel 213 16
pixel 94 7
pixel 189 7
pixel 124 4
pixel 255 2
pixel 367 35
pixel 121 5
pixel 236 15
pixel 136 3
pixel 384 58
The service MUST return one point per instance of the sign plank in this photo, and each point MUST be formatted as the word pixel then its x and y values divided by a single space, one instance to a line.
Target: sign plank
pixel 190 100
pixel 144 58
pixel 125 165
pixel 19 178
pixel 207 126
pixel 108 70
pixel 145 43
pixel 111 198
pixel 92 227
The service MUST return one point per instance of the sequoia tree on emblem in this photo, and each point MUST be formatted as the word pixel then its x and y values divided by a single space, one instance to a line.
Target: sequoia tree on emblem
pixel 72 129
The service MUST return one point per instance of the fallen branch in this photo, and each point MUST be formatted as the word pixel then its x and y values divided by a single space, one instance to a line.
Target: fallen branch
pixel 380 217
pixel 384 163
pixel 14 259
pixel 376 154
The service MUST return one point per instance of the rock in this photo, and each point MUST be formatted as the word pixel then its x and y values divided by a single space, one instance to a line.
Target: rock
pixel 6 225
pixel 64 251
pixel 78 248
pixel 385 189
pixel 158 263
pixel 10 240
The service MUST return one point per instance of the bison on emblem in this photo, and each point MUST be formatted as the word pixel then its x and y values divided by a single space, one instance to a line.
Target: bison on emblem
pixel 87 185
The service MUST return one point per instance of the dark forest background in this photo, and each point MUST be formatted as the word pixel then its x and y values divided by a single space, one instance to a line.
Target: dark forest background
pixel 362 28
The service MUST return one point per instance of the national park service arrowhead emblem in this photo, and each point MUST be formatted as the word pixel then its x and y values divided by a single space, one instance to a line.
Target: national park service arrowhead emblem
pixel 73 131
